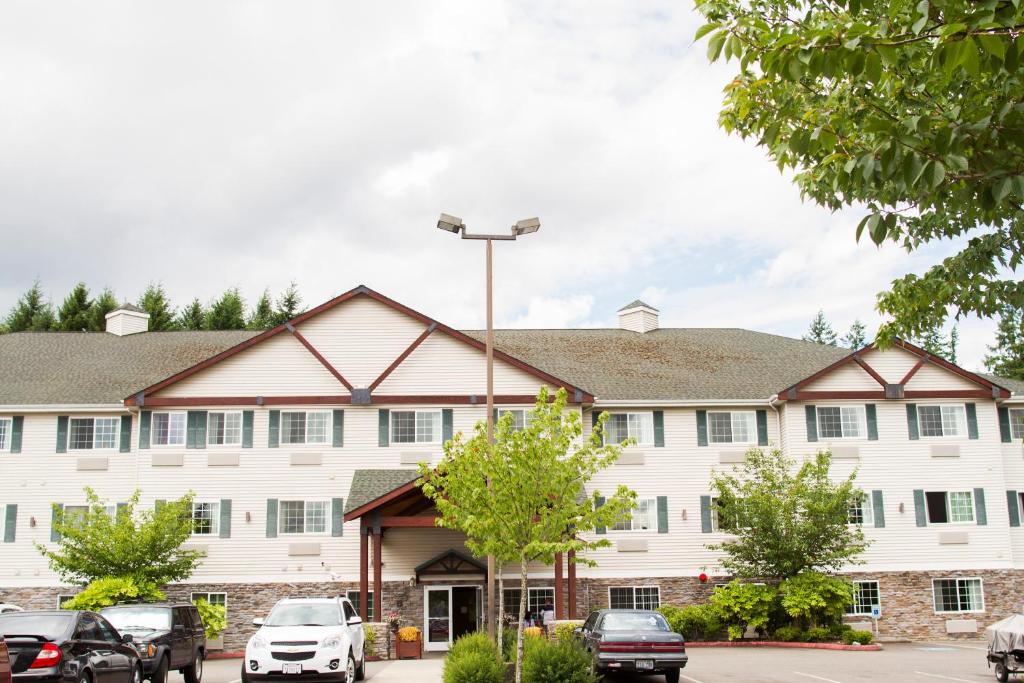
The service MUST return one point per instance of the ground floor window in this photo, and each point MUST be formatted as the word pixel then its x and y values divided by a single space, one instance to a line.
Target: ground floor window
pixel 212 598
pixel 537 599
pixel 634 597
pixel 865 596
pixel 61 599
pixel 958 595
pixel 353 597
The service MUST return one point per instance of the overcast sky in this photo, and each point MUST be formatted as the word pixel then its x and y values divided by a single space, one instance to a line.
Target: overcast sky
pixel 209 145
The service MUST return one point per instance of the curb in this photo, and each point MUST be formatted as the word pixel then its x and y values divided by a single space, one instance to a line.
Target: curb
pixel 772 643
pixel 224 655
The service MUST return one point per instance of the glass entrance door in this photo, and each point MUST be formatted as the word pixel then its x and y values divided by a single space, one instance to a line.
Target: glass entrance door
pixel 437 614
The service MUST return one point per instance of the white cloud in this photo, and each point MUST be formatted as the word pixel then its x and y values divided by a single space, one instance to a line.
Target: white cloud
pixel 553 312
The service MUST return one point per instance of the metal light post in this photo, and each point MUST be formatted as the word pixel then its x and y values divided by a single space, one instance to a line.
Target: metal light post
pixel 523 227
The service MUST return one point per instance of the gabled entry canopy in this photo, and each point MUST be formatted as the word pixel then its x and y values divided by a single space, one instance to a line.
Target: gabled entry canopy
pixel 450 563
pixel 388 498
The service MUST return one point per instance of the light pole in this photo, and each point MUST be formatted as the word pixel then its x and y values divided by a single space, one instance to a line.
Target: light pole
pixel 523 227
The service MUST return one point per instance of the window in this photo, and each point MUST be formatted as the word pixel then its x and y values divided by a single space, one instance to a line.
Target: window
pixel 1016 424
pixel 92 432
pixel 61 599
pixel 168 429
pixel 942 420
pixel 224 429
pixel 302 517
pixel 5 433
pixel 622 426
pixel 841 422
pixel 536 600
pixel 520 417
pixel 865 596
pixel 212 598
pixel 737 427
pixel 644 517
pixel 953 507
pixel 860 511
pixel 958 595
pixel 75 514
pixel 416 426
pixel 353 597
pixel 634 597
pixel 720 520
pixel 205 519
pixel 304 427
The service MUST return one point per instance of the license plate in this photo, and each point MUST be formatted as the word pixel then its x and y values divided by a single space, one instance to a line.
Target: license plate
pixel 644 664
pixel 291 668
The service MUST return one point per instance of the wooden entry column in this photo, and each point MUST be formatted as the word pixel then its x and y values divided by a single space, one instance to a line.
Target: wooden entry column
pixel 364 573
pixel 378 536
pixel 572 585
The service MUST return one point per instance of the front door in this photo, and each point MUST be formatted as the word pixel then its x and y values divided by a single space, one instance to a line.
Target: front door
pixel 464 611
pixel 437 616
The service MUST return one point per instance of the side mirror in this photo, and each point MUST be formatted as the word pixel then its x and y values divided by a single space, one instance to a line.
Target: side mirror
pixel 127 639
pixel 259 621
pixel 178 628
pixel 354 621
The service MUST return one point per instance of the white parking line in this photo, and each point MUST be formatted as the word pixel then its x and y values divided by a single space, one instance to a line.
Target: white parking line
pixel 817 678
pixel 945 678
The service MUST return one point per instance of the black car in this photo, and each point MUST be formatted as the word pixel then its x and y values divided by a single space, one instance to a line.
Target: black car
pixel 63 646
pixel 634 640
pixel 168 636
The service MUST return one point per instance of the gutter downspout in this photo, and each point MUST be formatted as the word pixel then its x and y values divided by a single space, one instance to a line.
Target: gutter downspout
pixel 778 416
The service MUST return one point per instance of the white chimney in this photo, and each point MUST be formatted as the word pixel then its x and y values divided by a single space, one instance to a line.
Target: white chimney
pixel 638 317
pixel 127 319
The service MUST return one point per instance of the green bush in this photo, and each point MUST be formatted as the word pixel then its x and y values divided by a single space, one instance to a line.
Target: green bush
pixel 567 630
pixel 111 591
pixel 474 659
pixel 788 634
pixel 814 599
pixel 508 644
pixel 837 631
pixel 472 642
pixel 546 661
pixel 743 605
pixel 215 618
pixel 861 637
pixel 369 639
pixel 694 622
pixel 818 634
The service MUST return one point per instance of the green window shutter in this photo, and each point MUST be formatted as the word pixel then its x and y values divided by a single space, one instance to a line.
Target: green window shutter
pixel 762 427
pixel 494 416
pixel 10 523
pixel 55 515
pixel 17 425
pixel 1013 505
pixel 597 504
pixel 247 420
pixel 273 432
pixel 912 422
pixel 705 514
pixel 62 434
pixel 872 415
pixel 225 518
pixel 383 423
pixel 972 420
pixel 878 506
pixel 594 415
pixel 126 433
pixel 196 429
pixel 271 517
pixel 702 428
pixel 145 418
pixel 980 513
pixel 1004 425
pixel 447 424
pixel 920 514
pixel 337 516
pixel 662 514
pixel 811 415
pixel 339 429
pixel 659 428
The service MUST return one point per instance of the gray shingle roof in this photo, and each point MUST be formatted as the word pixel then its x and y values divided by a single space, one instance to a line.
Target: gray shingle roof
pixel 368 485
pixel 130 307
pixel 1015 386
pixel 635 304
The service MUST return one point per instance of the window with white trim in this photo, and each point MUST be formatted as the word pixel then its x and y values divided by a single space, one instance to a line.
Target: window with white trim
pixel 842 422
pixel 302 517
pixel 76 514
pixel 205 519
pixel 88 433
pixel 536 599
pixel 212 598
pixel 520 417
pixel 720 519
pixel 353 597
pixel 416 426
pixel 167 429
pixel 865 596
pixel 644 517
pixel 949 507
pixel 939 421
pixel 5 433
pixel 958 595
pixel 732 427
pixel 224 428
pixel 305 426
pixel 634 597
pixel 637 426
pixel 860 511
pixel 1017 424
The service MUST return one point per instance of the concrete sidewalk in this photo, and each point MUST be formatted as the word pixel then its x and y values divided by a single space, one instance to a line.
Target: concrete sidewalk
pixel 406 671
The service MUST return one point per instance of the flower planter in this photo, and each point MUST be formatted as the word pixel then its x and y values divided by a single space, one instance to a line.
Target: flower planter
pixel 409 649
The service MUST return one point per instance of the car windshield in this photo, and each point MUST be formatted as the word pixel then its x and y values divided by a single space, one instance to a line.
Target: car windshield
pixel 45 626
pixel 138 618
pixel 634 621
pixel 308 614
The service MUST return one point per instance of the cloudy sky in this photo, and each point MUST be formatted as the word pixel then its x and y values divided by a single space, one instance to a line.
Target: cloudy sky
pixel 208 145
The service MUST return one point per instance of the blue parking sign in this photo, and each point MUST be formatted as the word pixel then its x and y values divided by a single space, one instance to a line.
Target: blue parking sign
pixel 876 611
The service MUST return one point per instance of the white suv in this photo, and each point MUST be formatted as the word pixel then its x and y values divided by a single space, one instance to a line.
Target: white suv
pixel 307 639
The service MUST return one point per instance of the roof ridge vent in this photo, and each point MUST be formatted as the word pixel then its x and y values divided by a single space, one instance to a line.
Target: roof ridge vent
pixel 638 317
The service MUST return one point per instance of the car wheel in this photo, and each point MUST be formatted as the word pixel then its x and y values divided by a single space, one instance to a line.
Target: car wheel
pixel 85 677
pixel 194 671
pixel 244 677
pixel 350 669
pixel 672 676
pixel 160 673
pixel 1002 674
pixel 361 669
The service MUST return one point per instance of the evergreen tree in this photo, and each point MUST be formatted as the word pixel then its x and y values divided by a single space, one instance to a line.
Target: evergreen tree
pixel 954 342
pixel 155 302
pixel 193 316
pixel 857 336
pixel 227 312
pixel 1006 357
pixel 289 305
pixel 821 331
pixel 938 344
pixel 32 313
pixel 73 315
pixel 263 315
pixel 104 303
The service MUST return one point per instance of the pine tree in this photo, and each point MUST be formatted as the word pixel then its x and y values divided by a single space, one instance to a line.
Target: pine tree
pixel 32 313
pixel 104 303
pixel 155 302
pixel 73 315
pixel 263 315
pixel 821 331
pixel 1006 357
pixel 227 312
pixel 857 336
pixel 938 344
pixel 954 343
pixel 193 316
pixel 288 305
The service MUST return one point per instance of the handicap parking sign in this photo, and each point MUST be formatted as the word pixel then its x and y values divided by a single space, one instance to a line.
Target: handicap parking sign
pixel 876 611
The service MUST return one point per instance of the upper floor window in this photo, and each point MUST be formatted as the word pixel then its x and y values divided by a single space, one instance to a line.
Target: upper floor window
pixel 865 596
pixel 205 519
pixel 958 595
pixel 860 511
pixel 76 514
pixel 224 429
pixel 303 517
pixel 949 507
pixel 5 433
pixel 304 427
pixel 520 417
pixel 841 422
pixel 942 420
pixel 732 427
pixel 637 426
pixel 1017 423
pixel 416 426
pixel 644 517
pixel 93 432
pixel 168 429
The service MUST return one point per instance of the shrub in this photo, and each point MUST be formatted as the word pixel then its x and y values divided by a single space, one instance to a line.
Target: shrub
pixel 215 618
pixel 694 622
pixel 408 634
pixel 818 634
pixel 369 639
pixel 839 630
pixel 111 591
pixel 566 630
pixel 472 642
pixel 546 661
pixel 788 634
pixel 743 605
pixel 508 644
pixel 474 659
pixel 860 637
pixel 533 632
pixel 813 598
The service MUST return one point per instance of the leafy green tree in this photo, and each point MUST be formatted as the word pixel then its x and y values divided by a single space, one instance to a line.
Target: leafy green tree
pixel 785 519
pixel 32 312
pixel 262 317
pixel 744 605
pixel 227 312
pixel 821 331
pixel 112 590
pixel 142 545
pixel 1006 356
pixel 289 305
pixel 813 599
pixel 857 337
pixel 536 504
pixel 104 303
pixel 155 302
pixel 908 108
pixel 73 314
pixel 193 316
pixel 215 618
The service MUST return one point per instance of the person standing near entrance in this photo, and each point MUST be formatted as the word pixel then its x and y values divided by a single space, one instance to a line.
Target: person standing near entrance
pixel 547 613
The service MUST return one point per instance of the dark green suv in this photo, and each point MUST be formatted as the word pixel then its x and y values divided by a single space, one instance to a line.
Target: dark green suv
pixel 168 636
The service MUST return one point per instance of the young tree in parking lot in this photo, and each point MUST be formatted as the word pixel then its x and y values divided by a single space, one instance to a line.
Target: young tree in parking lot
pixel 123 541
pixel 523 498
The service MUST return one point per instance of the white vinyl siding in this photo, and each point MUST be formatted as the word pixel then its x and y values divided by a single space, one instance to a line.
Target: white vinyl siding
pixel 958 595
pixel 733 427
pixel 644 517
pixel 634 597
pixel 842 422
pixel 167 429
pixel 415 426
pixel 205 519
pixel 865 596
pixel 952 507
pixel 5 433
pixel 940 421
pixel 303 517
pixel 224 429
pixel 305 427
pixel 91 433
pixel 622 426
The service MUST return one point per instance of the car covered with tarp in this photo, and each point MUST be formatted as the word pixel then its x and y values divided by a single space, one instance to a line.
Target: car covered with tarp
pixel 1006 646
